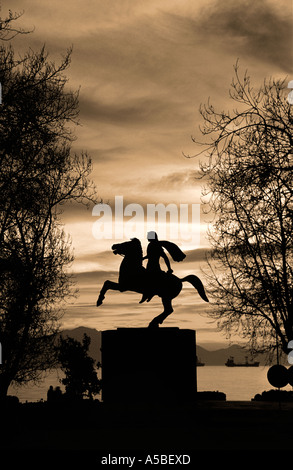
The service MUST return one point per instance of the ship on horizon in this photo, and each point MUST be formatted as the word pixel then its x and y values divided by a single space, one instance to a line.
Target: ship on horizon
pixel 230 363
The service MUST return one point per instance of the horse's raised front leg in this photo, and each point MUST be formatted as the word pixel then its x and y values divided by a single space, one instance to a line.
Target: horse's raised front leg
pixel 107 285
pixel 168 309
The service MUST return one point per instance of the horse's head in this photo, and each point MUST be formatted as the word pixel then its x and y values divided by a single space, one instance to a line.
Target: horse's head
pixel 119 248
pixel 132 248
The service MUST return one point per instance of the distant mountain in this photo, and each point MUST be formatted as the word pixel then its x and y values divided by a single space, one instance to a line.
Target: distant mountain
pixel 210 358
pixel 220 356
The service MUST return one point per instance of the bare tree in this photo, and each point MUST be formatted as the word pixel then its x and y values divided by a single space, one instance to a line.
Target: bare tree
pixel 39 173
pixel 250 194
pixel 8 30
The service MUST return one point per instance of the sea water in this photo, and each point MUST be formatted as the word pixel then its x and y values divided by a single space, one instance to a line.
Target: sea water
pixel 238 383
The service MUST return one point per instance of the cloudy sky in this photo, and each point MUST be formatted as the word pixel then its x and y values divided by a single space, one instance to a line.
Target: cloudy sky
pixel 144 68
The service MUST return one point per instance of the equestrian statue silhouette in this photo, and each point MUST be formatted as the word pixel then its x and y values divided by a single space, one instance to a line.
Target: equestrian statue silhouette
pixel 151 280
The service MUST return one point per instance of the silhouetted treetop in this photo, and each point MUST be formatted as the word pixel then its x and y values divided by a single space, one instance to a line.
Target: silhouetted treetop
pixel 39 172
pixel 79 368
pixel 248 167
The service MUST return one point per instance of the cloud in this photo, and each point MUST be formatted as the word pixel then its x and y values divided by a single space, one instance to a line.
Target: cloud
pixel 95 277
pixel 197 255
pixel 251 28
pixel 132 112
pixel 175 180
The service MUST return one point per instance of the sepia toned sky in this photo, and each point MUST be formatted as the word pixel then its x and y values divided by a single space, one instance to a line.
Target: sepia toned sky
pixel 144 68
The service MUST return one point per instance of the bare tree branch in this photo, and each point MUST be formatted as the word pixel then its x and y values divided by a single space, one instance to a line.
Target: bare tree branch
pixel 248 167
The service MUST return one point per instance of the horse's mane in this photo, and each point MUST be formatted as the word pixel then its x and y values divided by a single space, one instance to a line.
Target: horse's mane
pixel 137 244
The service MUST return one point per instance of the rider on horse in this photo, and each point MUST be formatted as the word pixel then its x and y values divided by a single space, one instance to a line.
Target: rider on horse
pixel 154 252
pixel 134 277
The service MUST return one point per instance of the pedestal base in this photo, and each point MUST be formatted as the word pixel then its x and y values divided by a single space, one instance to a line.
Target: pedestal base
pixel 144 365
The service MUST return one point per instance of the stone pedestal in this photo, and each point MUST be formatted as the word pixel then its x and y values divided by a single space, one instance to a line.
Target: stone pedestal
pixel 143 365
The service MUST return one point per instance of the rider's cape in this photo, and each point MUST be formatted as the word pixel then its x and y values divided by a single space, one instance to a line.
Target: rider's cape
pixel 173 250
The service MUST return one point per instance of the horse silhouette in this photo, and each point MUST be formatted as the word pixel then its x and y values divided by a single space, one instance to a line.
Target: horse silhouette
pixel 134 277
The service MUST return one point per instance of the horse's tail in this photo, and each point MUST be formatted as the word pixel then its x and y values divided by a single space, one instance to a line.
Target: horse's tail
pixel 196 282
